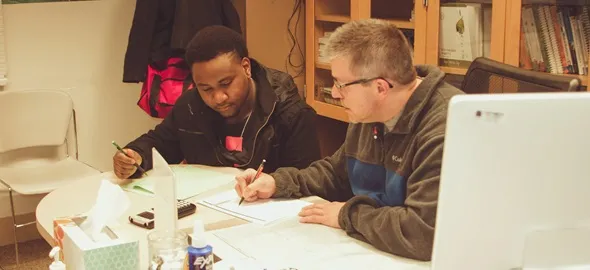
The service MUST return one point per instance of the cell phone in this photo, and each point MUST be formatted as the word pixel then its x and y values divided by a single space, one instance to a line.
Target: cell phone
pixel 145 219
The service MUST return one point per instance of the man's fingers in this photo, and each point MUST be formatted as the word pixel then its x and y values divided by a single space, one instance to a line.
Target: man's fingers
pixel 314 206
pixel 119 157
pixel 251 197
pixel 311 212
pixel 238 189
pixel 240 186
pixel 247 176
pixel 253 188
pixel 129 152
pixel 249 193
pixel 312 219
pixel 124 165
pixel 122 172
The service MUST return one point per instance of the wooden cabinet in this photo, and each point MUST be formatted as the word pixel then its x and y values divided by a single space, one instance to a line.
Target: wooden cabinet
pixel 324 16
pixel 501 23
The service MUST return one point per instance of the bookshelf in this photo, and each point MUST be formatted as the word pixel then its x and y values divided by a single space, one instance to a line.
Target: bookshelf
pixel 441 34
pixel 324 16
pixel 501 24
pixel 524 15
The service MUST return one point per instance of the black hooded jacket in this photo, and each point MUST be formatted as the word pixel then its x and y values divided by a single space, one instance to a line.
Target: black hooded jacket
pixel 281 129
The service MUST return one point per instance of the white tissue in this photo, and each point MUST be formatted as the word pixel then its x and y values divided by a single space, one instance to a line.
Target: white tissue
pixel 111 203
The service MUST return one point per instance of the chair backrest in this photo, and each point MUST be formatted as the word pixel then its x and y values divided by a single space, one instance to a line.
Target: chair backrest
pixel 32 118
pixel 488 76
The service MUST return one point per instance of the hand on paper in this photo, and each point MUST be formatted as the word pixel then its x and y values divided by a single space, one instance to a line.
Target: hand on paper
pixel 123 165
pixel 322 213
pixel 262 188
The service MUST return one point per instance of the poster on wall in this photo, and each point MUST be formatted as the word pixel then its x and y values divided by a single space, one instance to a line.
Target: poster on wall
pixel 37 1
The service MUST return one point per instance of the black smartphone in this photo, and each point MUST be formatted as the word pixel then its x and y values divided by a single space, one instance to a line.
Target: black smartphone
pixel 145 219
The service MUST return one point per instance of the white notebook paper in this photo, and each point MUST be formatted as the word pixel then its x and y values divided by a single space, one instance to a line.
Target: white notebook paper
pixel 261 212
pixel 291 244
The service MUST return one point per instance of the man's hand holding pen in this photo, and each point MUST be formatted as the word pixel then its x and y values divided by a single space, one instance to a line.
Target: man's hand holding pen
pixel 263 188
pixel 124 164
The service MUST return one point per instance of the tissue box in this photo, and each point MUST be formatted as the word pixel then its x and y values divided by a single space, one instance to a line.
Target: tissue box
pixel 80 251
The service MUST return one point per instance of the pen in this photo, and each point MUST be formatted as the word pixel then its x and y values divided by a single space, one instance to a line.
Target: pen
pixel 136 165
pixel 258 172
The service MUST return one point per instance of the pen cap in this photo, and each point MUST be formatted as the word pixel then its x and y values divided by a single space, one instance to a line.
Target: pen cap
pixel 199 240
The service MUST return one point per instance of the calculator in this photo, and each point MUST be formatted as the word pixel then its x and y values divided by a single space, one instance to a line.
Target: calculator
pixel 145 219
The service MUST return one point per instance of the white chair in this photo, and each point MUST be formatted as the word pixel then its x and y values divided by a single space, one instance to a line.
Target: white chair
pixel 38 145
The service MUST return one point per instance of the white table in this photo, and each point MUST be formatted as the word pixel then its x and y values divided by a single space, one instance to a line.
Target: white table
pixel 78 197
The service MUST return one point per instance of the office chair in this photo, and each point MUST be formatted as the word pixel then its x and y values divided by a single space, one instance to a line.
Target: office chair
pixel 489 76
pixel 38 145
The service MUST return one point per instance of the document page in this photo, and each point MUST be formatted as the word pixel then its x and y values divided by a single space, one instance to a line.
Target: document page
pixel 190 182
pixel 261 211
pixel 291 244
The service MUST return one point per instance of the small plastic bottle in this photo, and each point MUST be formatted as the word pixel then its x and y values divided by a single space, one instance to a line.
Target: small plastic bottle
pixel 200 254
pixel 56 264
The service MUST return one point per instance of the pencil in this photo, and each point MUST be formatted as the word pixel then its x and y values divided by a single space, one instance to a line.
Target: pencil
pixel 136 165
pixel 258 173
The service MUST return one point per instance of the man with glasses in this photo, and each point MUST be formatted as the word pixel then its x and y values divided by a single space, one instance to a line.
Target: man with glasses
pixel 382 183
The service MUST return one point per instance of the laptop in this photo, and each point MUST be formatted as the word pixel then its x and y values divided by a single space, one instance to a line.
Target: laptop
pixel 515 183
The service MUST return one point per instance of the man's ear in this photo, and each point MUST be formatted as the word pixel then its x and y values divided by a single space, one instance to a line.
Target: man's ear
pixel 247 66
pixel 382 88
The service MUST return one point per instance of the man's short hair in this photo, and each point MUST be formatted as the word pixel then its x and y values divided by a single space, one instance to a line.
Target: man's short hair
pixel 213 41
pixel 375 48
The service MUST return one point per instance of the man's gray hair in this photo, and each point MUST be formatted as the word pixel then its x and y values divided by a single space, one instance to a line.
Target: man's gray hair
pixel 376 48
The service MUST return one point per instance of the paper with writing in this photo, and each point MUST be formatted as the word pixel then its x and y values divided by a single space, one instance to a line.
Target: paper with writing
pixel 261 211
pixel 290 243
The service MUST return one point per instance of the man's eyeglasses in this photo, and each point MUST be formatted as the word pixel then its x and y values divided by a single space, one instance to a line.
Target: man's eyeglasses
pixel 340 86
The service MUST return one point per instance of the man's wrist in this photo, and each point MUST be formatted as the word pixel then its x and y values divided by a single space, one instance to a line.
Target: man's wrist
pixel 279 185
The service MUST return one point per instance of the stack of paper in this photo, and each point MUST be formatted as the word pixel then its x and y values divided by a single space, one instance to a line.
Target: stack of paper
pixel 291 244
pixel 261 211
pixel 190 181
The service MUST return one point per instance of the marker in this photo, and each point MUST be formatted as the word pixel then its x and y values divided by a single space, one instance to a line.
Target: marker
pixel 258 172
pixel 136 165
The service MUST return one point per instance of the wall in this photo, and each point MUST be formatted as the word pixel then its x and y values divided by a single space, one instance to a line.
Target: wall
pixel 268 42
pixel 268 39
pixel 77 46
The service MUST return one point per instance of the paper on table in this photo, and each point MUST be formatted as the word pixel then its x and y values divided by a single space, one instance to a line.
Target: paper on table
pixel 190 181
pixel 290 243
pixel 262 211
pixel 243 264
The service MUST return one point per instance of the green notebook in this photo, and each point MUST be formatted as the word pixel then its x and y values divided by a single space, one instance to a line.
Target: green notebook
pixel 190 181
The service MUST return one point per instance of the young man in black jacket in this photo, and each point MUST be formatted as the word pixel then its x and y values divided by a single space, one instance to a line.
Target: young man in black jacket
pixel 239 114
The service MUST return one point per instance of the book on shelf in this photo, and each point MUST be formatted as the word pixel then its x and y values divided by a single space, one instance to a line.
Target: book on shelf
pixel 555 39
pixel 322 41
pixel 465 33
pixel 327 96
